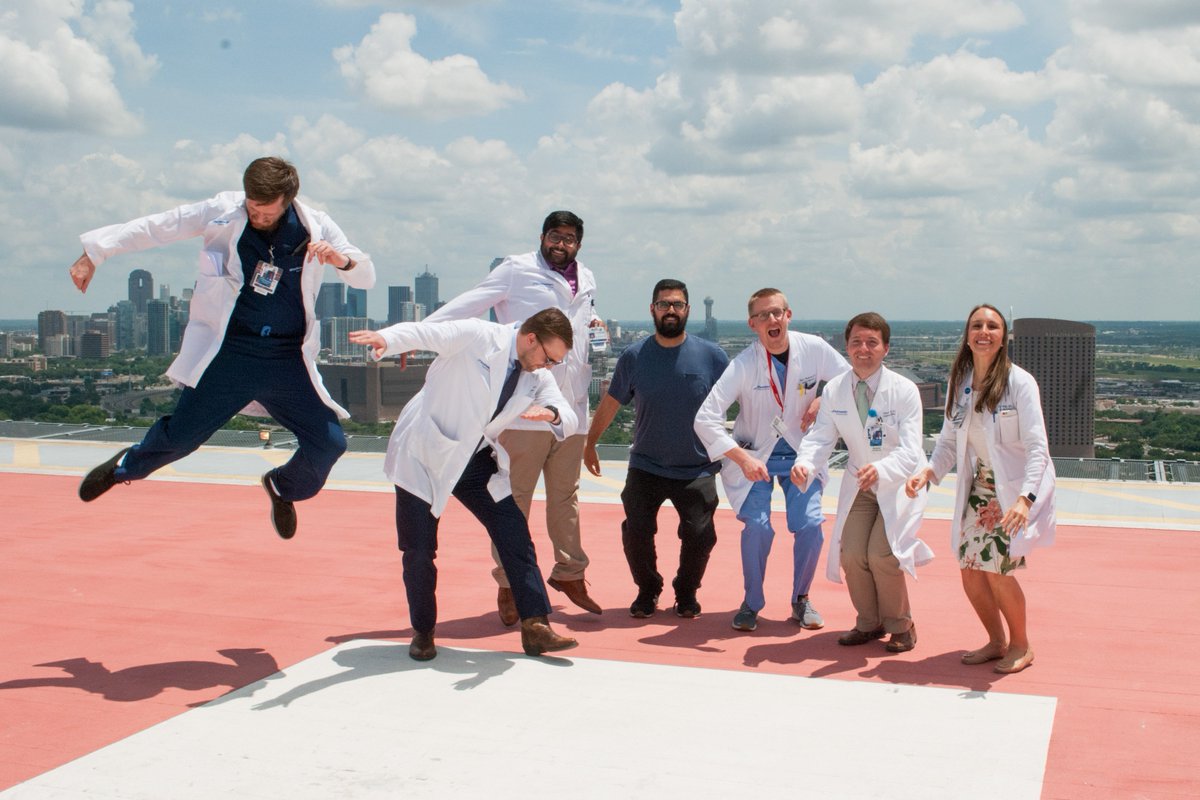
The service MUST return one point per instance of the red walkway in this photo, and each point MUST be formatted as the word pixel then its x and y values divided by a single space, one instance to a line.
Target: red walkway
pixel 161 596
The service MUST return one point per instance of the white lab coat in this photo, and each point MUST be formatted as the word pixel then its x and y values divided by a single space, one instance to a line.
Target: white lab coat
pixel 746 381
pixel 440 429
pixel 221 221
pixel 897 403
pixel 519 287
pixel 1017 451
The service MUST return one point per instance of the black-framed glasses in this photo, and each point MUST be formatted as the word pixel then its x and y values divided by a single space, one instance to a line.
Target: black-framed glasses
pixel 547 360
pixel 670 305
pixel 554 237
pixel 770 313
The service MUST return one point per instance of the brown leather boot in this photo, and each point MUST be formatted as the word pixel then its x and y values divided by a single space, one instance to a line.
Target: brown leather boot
pixel 507 607
pixel 537 637
pixel 422 648
pixel 576 592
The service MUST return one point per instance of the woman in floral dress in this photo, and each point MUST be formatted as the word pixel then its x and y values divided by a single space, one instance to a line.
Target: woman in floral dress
pixel 995 437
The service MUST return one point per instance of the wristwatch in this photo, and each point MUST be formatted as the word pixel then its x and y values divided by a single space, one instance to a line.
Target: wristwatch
pixel 1031 497
pixel 557 417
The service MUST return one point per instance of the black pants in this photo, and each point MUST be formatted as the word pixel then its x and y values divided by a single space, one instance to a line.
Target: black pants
pixel 417 529
pixel 695 500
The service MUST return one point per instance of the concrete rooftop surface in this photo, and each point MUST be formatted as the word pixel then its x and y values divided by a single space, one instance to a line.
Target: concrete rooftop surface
pixel 162 642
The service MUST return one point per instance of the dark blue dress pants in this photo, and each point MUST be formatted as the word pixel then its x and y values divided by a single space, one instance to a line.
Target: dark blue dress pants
pixel 417 529
pixel 280 382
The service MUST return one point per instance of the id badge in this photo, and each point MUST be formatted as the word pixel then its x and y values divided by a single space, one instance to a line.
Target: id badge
pixel 875 433
pixel 266 278
pixel 778 426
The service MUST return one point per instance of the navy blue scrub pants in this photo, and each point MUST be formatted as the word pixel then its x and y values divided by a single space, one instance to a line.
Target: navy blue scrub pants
pixel 417 529
pixel 280 382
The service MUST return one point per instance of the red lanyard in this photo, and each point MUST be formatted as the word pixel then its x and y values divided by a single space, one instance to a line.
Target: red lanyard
pixel 771 380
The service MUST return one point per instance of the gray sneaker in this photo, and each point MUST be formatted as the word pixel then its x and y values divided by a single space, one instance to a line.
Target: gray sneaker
pixel 746 619
pixel 807 616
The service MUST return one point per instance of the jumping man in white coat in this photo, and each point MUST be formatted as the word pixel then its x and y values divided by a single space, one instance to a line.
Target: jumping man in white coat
pixel 251 340
pixel 486 376
pixel 877 413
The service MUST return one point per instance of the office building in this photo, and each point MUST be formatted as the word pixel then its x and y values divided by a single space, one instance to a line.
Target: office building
pixel 331 300
pixel 373 391
pixel 141 289
pixel 335 336
pixel 94 345
pixel 50 323
pixel 1061 356
pixel 356 303
pixel 397 296
pixel 426 291
pixel 158 328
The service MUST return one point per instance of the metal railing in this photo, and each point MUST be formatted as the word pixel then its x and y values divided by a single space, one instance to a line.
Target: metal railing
pixel 1099 469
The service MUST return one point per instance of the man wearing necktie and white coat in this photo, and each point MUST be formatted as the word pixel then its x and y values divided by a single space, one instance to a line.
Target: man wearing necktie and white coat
pixel 877 413
pixel 445 442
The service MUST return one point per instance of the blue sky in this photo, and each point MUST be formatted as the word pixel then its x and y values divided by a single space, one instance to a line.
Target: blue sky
pixel 913 158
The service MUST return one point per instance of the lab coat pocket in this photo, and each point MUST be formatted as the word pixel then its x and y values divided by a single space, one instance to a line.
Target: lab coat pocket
pixel 212 263
pixel 432 447
pixel 1008 426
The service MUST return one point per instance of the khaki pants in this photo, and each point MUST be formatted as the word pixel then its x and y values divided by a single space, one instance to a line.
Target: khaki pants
pixel 873 574
pixel 534 453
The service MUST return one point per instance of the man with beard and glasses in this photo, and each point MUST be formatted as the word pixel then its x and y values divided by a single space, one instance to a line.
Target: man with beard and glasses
pixel 667 376
pixel 252 336
pixel 774 381
pixel 549 277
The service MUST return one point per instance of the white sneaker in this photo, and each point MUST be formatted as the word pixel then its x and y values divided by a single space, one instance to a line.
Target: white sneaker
pixel 807 616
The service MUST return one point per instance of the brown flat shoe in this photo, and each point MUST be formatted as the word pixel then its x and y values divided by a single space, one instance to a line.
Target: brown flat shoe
pixel 1007 666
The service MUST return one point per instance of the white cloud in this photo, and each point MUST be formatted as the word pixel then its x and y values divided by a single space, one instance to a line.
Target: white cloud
pixel 392 76
pixel 52 78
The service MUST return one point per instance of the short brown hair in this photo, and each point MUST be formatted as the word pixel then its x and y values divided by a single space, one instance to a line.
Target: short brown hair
pixel 269 178
pixel 760 294
pixel 550 322
pixel 872 322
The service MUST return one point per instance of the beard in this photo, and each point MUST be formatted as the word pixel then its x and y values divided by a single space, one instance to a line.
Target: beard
pixel 670 325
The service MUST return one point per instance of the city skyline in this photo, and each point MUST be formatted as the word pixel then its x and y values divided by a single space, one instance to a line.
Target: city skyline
pixel 930 155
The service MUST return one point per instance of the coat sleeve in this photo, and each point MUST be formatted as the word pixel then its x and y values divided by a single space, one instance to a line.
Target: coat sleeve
pixel 443 338
pixel 155 230
pixel 1033 431
pixel 710 419
pixel 905 459
pixel 548 394
pixel 363 274
pixel 818 443
pixel 945 451
pixel 474 302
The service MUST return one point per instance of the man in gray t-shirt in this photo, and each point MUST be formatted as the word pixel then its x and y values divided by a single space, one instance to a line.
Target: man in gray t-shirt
pixel 667 376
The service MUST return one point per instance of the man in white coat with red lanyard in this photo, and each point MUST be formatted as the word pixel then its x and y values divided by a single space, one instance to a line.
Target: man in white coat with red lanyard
pixel 446 441
pixel 774 381
pixel 252 336
pixel 877 413
pixel 550 277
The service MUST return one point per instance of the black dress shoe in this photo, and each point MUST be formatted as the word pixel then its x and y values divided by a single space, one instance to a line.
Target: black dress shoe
pixel 857 637
pixel 100 479
pixel 422 648
pixel 283 512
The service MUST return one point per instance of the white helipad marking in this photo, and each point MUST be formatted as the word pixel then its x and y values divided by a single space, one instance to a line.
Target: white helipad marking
pixel 364 720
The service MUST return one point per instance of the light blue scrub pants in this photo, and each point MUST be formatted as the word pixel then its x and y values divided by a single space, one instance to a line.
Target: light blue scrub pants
pixel 804 520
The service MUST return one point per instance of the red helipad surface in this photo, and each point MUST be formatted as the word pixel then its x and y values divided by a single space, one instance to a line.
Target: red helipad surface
pixel 162 596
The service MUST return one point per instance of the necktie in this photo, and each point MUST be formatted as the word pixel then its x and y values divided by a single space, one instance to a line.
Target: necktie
pixel 860 400
pixel 510 386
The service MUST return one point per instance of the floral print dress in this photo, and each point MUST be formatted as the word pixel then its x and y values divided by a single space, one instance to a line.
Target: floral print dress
pixel 984 545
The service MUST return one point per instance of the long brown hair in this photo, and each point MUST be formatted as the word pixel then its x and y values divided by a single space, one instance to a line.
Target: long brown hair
pixel 994 382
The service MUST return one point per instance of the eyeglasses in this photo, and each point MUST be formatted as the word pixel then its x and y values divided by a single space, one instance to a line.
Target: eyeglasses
pixel 769 314
pixel 547 360
pixel 670 305
pixel 554 237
